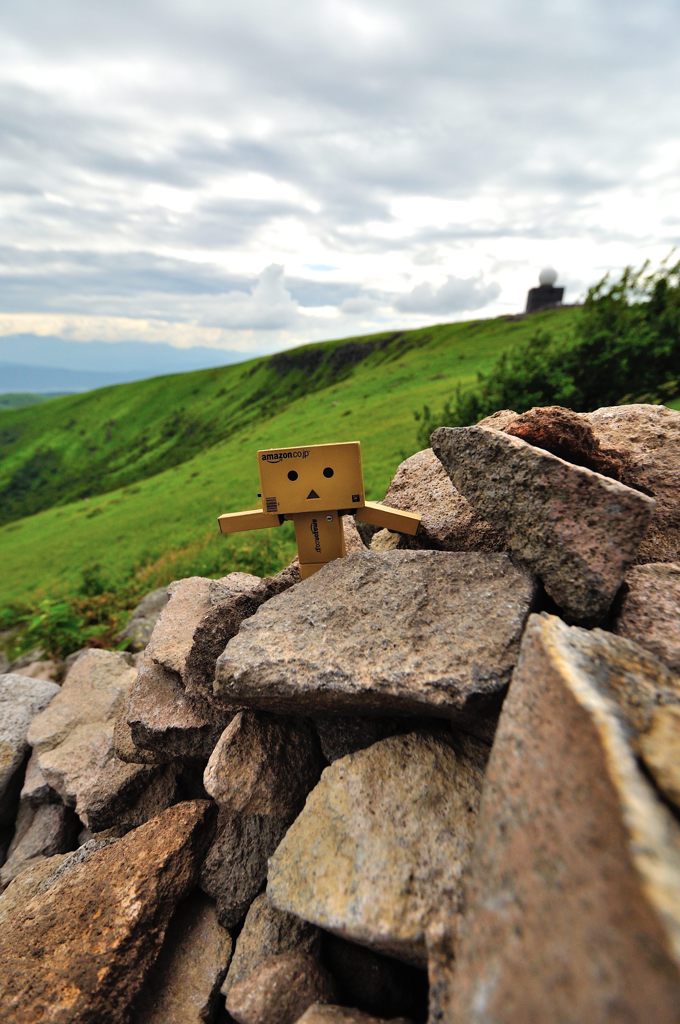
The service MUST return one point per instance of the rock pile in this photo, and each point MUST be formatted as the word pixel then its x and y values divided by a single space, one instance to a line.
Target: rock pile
pixel 437 781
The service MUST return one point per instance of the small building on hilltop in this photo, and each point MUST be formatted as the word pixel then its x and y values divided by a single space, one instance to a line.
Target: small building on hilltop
pixel 546 294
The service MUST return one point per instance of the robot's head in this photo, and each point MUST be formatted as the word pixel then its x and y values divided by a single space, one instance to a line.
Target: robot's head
pixel 318 477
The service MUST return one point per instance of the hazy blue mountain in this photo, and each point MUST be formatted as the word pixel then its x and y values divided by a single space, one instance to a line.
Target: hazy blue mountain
pixel 29 362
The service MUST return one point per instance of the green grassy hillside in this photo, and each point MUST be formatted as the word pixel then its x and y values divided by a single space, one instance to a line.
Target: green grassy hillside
pixel 118 489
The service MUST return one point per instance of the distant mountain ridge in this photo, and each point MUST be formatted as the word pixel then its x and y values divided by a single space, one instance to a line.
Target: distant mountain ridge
pixel 30 362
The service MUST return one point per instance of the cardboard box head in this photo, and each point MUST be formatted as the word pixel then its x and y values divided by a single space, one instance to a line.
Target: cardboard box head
pixel 312 478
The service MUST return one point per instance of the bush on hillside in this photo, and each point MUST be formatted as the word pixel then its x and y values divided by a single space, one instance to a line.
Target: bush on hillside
pixel 625 348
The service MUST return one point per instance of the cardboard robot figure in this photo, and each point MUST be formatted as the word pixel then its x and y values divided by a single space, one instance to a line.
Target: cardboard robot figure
pixel 314 487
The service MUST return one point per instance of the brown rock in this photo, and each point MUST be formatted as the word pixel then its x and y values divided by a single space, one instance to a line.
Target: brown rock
pixel 45 668
pixel 263 765
pixel 124 746
pixel 572 909
pixel 570 436
pixel 268 932
pixel 73 740
pixel 649 437
pixel 279 990
pixel 324 1013
pixel 164 719
pixel 184 984
pixel 650 610
pixel 578 530
pixel 36 789
pixel 197 622
pixel 382 841
pixel 449 523
pixel 40 832
pixel 399 632
pixel 660 750
pixel 21 699
pixel 82 947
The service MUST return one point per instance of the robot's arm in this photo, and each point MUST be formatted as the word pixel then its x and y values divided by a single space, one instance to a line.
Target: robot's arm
pixel 389 518
pixel 255 519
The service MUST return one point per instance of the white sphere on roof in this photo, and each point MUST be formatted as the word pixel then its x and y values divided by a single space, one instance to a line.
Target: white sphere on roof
pixel 548 276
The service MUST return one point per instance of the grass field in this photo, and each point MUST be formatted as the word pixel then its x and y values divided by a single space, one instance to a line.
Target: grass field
pixel 124 484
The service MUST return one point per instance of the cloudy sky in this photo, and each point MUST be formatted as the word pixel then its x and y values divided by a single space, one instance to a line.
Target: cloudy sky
pixel 254 175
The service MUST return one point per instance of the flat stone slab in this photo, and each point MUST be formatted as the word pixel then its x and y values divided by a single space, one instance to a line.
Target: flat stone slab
pixel 399 632
pixel 577 530
pixel 382 841
pixel 21 698
pixel 73 740
pixel 572 907
pixel 86 936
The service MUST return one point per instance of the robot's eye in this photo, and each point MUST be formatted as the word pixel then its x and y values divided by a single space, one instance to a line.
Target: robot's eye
pixel 292 475
pixel 328 471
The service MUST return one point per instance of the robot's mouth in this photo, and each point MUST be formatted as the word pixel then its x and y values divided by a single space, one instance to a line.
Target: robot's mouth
pixel 312 494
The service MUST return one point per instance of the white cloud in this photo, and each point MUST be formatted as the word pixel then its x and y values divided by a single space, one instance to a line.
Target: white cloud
pixel 455 295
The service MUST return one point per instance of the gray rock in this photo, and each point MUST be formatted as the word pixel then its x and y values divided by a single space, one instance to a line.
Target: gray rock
pixel 164 719
pixel 399 632
pixel 184 984
pixel 73 740
pixel 39 832
pixel 83 942
pixel 650 610
pixel 143 618
pixel 235 868
pixel 449 523
pixel 21 699
pixel 199 619
pixel 263 765
pixel 382 841
pixel 279 990
pixel 650 436
pixel 577 530
pixel 267 932
pixel 572 908
pixel 36 789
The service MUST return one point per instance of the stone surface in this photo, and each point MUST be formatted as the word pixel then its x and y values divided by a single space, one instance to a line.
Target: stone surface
pixel 449 523
pixel 650 610
pixel 73 741
pixel 235 867
pixel 325 1013
pixel 383 839
pixel 184 984
pixel 21 698
pixel 577 530
pixel 39 832
pixel 263 765
pixel 279 990
pixel 200 617
pixel 572 909
pixel 659 747
pixel 43 669
pixel 649 436
pixel 143 618
pixel 81 948
pixel 401 632
pixel 164 719
pixel 36 789
pixel 124 746
pixel 267 932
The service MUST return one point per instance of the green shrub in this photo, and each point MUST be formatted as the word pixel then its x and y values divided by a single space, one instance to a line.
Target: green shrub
pixel 625 348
